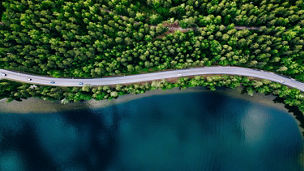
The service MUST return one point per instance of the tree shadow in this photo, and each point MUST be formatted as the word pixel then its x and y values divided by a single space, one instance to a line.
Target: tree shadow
pixel 294 110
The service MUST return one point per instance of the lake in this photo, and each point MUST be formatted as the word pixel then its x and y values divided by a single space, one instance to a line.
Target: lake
pixel 207 131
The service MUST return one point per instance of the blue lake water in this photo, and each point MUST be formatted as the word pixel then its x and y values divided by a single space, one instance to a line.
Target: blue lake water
pixel 185 131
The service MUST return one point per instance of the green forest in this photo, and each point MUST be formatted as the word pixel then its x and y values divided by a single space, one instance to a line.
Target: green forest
pixel 97 38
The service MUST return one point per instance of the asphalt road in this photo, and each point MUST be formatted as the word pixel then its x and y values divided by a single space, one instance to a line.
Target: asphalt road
pixel 69 82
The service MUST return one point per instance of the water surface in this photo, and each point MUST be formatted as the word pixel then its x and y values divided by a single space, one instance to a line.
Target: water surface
pixel 184 131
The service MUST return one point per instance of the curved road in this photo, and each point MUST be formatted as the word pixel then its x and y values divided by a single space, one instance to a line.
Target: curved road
pixel 69 82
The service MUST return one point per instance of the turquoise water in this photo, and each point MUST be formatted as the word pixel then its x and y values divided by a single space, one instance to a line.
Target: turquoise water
pixel 185 131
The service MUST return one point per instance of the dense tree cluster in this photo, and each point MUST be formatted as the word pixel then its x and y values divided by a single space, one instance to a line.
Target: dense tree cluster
pixel 95 38
pixel 245 12
pixel 65 38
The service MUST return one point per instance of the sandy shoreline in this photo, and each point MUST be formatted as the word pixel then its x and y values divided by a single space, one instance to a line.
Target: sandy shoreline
pixel 36 105
pixel 39 106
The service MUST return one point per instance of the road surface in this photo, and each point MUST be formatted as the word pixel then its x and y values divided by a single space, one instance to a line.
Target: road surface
pixel 229 70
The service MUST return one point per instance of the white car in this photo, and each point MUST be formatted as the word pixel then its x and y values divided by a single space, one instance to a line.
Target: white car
pixel 3 74
pixel 29 79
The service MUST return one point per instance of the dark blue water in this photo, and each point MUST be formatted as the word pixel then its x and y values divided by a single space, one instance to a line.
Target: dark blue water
pixel 192 131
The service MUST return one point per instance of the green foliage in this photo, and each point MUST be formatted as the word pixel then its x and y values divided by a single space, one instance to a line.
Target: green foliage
pixel 102 38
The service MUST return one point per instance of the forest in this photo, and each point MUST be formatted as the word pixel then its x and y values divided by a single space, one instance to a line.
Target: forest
pixel 97 38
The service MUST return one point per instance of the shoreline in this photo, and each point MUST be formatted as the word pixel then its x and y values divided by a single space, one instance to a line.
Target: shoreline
pixel 39 106
pixel 36 105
